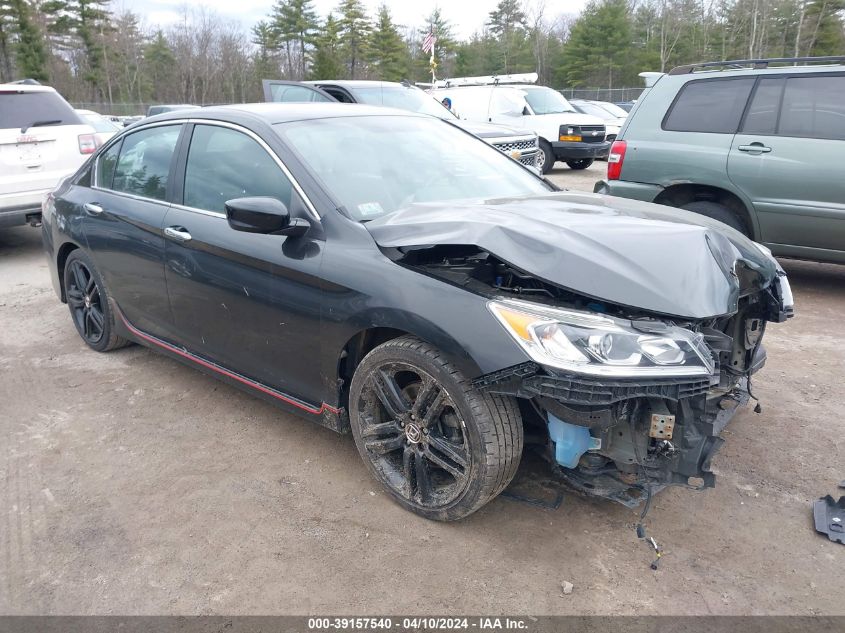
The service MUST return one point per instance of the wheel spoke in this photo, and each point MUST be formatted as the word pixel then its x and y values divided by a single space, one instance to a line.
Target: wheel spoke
pixel 75 298
pixel 380 430
pixel 407 463
pixel 90 286
pixel 434 409
pixel 79 277
pixel 389 394
pixel 423 479
pixel 385 445
pixel 424 394
pixel 448 456
pixel 97 319
pixel 86 322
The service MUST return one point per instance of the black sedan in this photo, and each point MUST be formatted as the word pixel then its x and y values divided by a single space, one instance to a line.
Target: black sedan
pixel 386 273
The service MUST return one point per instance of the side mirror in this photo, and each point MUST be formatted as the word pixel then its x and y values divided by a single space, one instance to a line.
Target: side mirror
pixel 263 215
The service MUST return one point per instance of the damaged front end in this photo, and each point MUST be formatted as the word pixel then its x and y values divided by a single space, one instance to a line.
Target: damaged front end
pixel 622 401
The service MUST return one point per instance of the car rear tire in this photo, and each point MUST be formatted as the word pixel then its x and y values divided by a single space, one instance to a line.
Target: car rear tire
pixel 581 163
pixel 439 446
pixel 718 212
pixel 546 157
pixel 90 304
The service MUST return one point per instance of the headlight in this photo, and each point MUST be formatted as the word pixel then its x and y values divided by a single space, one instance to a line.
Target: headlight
pixel 589 343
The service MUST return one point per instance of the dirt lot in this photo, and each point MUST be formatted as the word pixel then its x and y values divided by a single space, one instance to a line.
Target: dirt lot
pixel 133 484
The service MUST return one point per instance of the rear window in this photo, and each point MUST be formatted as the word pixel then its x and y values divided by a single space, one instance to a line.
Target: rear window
pixel 813 107
pixel 23 109
pixel 762 117
pixel 713 106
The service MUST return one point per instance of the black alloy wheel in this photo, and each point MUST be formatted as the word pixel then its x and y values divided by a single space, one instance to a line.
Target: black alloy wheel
pixel 413 431
pixel 439 447
pixel 89 305
pixel 84 300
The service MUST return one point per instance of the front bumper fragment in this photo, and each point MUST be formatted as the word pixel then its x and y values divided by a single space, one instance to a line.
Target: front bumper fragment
pixel 566 150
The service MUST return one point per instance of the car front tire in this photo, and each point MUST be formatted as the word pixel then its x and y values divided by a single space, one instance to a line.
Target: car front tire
pixel 440 447
pixel 581 163
pixel 546 157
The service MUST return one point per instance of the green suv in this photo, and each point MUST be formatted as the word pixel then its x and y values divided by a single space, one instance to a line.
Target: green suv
pixel 756 144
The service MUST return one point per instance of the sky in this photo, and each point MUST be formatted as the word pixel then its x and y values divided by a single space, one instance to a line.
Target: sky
pixel 466 16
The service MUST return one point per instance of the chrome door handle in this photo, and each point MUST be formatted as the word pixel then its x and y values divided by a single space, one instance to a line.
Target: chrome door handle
pixel 178 233
pixel 758 148
pixel 93 208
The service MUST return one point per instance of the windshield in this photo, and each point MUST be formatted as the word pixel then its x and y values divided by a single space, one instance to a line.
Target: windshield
pixel 595 110
pixel 614 109
pixel 403 98
pixel 546 101
pixel 375 165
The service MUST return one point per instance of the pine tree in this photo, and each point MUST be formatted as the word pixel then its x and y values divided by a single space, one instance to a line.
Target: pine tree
pixel 327 62
pixel 6 28
pixel 353 30
pixel 266 41
pixel 82 24
pixel 160 63
pixel 30 54
pixel 295 24
pixel 387 52
pixel 599 46
pixel 507 23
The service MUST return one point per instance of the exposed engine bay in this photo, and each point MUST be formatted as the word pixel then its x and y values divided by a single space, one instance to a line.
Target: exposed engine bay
pixel 615 436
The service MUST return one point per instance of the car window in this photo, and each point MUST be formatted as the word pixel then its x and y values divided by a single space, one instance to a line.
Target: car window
pixel 401 97
pixel 19 109
pixel 106 163
pixel 144 162
pixel 762 116
pixel 337 93
pixel 813 107
pixel 709 106
pixel 224 164
pixel 544 100
pixel 99 123
pixel 590 108
pixel 291 93
pixel 401 160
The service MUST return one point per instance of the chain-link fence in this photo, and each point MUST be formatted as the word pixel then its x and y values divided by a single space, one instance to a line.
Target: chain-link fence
pixel 614 95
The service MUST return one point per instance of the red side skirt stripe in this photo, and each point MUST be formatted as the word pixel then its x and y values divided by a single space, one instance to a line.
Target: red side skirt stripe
pixel 220 370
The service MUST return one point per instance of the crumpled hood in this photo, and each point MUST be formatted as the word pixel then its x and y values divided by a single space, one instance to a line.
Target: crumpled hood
pixel 627 252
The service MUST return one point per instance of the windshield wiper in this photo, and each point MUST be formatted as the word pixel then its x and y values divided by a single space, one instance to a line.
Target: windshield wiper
pixel 41 124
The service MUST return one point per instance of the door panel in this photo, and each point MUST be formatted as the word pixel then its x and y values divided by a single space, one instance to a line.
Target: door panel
pixel 796 183
pixel 123 225
pixel 247 301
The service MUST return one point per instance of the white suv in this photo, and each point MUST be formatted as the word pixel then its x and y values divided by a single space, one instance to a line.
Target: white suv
pixel 42 140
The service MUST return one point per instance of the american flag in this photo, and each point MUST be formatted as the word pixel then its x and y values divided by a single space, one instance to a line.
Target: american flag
pixel 429 41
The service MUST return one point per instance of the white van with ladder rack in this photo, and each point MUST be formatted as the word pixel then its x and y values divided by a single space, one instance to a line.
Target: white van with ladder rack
pixel 518 102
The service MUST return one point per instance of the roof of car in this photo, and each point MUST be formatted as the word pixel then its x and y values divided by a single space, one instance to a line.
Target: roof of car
pixel 26 88
pixel 357 83
pixel 286 112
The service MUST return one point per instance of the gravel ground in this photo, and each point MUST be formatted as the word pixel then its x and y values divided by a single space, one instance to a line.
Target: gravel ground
pixel 134 485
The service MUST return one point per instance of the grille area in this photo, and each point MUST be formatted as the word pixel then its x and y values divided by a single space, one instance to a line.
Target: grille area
pixel 588 136
pixel 520 145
